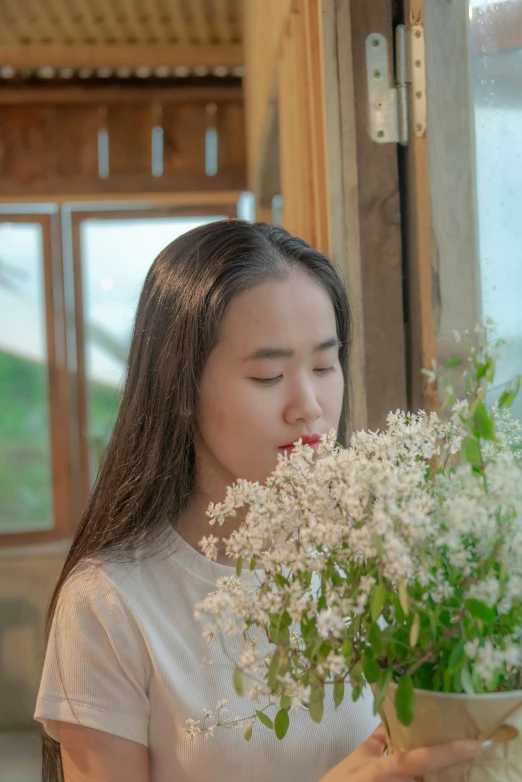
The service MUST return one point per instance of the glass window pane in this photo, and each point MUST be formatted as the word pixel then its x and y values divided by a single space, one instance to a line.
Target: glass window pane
pixel 496 68
pixel 116 256
pixel 25 450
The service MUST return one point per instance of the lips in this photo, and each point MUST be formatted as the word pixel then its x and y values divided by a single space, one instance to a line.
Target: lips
pixel 313 440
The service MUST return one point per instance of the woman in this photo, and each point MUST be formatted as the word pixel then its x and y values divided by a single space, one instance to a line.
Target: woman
pixel 240 346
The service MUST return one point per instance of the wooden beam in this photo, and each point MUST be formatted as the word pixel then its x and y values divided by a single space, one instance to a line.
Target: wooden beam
pixel 147 199
pixel 343 186
pixel 76 94
pixel 421 329
pixel 116 55
pixel 181 182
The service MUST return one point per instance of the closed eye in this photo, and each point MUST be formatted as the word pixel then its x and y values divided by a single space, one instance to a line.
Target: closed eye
pixel 270 381
pixel 266 381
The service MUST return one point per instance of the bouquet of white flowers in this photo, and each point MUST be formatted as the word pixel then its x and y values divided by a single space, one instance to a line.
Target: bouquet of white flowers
pixel 395 562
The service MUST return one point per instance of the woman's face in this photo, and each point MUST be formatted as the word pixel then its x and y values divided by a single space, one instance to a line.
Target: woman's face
pixel 273 377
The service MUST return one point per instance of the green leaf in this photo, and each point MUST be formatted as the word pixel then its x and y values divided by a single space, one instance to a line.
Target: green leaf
pixel 466 681
pixel 404 597
pixel 455 362
pixel 273 670
pixel 356 693
pixel 371 669
pixel 381 689
pixel 315 707
pixel 338 693
pixel 281 723
pixel 405 700
pixel 286 701
pixel 472 452
pixel 247 731
pixel 457 656
pixel 238 682
pixel 281 580
pixel 484 423
pixel 480 610
pixel 239 566
pixel 377 601
pixel 265 720
pixel 253 563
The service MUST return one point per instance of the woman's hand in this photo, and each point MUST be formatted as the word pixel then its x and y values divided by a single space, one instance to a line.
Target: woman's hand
pixel 369 763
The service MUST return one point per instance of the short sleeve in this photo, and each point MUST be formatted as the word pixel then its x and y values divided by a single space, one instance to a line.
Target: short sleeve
pixel 96 665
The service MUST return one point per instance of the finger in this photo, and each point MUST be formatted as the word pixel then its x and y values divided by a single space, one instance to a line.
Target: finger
pixel 424 760
pixel 375 746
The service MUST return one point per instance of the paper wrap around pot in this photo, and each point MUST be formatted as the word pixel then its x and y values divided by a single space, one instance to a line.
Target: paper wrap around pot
pixel 442 717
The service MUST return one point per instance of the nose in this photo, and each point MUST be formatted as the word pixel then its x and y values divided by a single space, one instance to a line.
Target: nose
pixel 303 404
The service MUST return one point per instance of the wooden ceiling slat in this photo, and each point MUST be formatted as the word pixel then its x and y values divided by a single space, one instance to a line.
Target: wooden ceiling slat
pixel 131 15
pixel 113 22
pixel 156 26
pixel 178 20
pixel 200 21
pixel 115 31
pixel 65 14
pixel 222 20
pixel 22 24
pixel 82 12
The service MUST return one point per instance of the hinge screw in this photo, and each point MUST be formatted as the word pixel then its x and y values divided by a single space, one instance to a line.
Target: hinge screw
pixel 418 94
pixel 417 34
pixel 418 127
pixel 417 63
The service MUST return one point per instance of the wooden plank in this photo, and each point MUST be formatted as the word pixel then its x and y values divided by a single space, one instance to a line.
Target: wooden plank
pixel 144 197
pixel 82 430
pixel 421 333
pixel 77 140
pixel 380 233
pixel 95 55
pixel 316 102
pixel 26 149
pixel 130 138
pixel 343 188
pixel 13 96
pixel 230 126
pixel 452 174
pixel 184 129
pixel 200 27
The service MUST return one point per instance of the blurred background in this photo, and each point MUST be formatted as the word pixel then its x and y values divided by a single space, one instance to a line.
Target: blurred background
pixel 387 134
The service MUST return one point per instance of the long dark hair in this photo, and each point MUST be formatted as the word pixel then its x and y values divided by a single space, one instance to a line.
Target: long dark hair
pixel 149 467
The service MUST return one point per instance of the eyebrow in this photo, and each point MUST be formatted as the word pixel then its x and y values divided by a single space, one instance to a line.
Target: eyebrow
pixel 261 353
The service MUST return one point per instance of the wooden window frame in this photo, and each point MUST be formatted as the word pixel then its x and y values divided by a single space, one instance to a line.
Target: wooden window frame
pixel 58 387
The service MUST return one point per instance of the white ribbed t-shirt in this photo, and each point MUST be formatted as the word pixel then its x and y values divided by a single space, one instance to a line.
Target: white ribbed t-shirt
pixel 127 656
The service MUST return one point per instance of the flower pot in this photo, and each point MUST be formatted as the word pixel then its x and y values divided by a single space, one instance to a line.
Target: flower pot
pixel 441 717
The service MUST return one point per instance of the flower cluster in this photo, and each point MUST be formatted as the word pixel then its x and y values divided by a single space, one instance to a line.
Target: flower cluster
pixel 397 559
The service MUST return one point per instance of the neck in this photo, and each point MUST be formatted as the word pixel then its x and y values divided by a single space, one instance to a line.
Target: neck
pixel 193 524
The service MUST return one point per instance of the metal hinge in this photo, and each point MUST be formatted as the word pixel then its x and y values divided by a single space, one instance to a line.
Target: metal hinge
pixel 388 106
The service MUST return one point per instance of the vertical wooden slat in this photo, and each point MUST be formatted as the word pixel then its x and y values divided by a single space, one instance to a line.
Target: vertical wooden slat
pixel 77 140
pixel 421 334
pixel 130 138
pixel 343 187
pixel 25 143
pixel 81 372
pixel 184 129
pixel 380 232
pixel 230 125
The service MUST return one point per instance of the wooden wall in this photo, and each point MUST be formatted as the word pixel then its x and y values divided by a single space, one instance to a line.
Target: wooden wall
pixel 51 140
pixel 285 109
